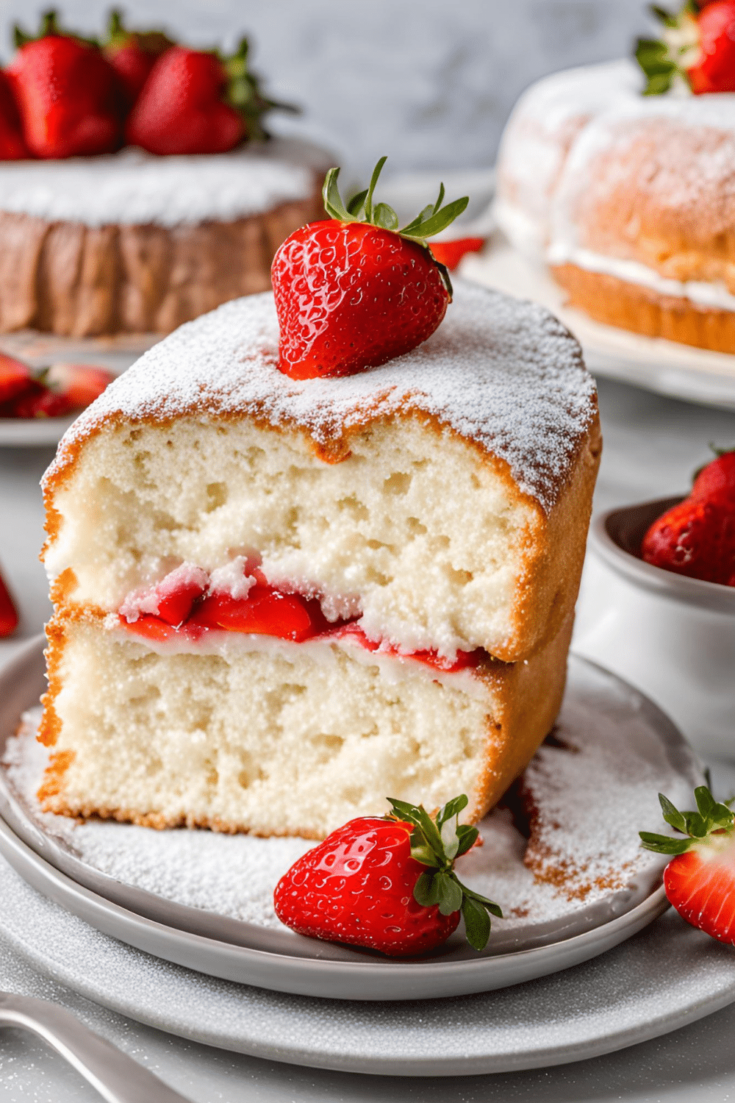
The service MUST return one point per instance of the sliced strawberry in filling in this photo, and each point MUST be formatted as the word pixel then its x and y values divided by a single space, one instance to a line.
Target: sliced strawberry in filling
pixel 188 606
pixel 264 611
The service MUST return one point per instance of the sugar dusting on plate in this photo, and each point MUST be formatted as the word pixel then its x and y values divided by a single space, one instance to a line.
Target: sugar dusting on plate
pixel 591 787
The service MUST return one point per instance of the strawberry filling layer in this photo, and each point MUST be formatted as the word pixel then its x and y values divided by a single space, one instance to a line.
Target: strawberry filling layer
pixel 188 605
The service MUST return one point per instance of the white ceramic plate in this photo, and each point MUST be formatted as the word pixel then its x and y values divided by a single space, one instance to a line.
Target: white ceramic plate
pixel 116 354
pixel 666 367
pixel 275 958
pixel 667 976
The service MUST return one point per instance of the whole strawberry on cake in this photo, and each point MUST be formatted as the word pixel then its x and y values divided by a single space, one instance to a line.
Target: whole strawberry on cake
pixel 320 547
pixel 138 185
pixel 619 177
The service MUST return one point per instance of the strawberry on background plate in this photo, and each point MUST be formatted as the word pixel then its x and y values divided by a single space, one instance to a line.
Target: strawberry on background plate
pixel 697 537
pixel 132 54
pixel 700 878
pixel 12 142
pixel 55 391
pixel 354 291
pixel 196 102
pixel 696 49
pixel 8 612
pixel 387 884
pixel 68 95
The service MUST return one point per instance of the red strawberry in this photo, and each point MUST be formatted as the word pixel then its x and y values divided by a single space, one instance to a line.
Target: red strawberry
pixel 387 884
pixel 8 612
pixel 16 378
pixel 68 96
pixel 353 292
pixel 697 537
pixel 182 108
pixel 12 142
pixel 714 70
pixel 717 478
pixel 696 49
pixel 78 384
pixel 264 611
pixel 450 253
pixel 195 102
pixel 700 879
pixel 132 54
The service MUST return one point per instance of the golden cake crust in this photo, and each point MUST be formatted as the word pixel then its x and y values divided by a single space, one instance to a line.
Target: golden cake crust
pixel 641 310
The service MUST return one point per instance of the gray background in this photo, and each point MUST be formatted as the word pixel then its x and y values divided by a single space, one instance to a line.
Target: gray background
pixel 429 82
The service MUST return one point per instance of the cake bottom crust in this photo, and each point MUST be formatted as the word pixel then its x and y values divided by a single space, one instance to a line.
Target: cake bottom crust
pixel 641 310
pixel 288 739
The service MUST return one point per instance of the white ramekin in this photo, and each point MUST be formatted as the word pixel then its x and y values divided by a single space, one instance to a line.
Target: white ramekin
pixel 672 637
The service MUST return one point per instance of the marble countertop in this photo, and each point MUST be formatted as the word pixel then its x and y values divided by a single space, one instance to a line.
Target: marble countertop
pixel 652 444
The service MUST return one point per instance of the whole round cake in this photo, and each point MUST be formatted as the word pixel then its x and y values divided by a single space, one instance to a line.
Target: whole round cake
pixel 137 187
pixel 628 197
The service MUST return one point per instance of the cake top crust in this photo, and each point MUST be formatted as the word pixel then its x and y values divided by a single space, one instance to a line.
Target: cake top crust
pixel 136 188
pixel 499 372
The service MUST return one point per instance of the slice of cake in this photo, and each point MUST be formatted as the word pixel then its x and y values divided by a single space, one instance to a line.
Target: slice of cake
pixel 279 601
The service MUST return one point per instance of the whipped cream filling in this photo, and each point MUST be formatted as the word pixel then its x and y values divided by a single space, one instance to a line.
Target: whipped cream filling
pixel 704 293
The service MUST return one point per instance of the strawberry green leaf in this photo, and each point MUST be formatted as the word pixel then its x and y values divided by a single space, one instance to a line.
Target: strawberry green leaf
pixel 450 839
pixel 450 894
pixel 361 208
pixel 385 216
pixel 373 181
pixel 467 838
pixel 696 827
pixel 357 203
pixel 476 922
pixel 452 808
pixel 425 890
pixel 664 844
pixel 671 814
pixel 705 801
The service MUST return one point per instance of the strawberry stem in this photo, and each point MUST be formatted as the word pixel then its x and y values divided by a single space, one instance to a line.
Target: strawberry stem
pixel 432 220
pixel 437 841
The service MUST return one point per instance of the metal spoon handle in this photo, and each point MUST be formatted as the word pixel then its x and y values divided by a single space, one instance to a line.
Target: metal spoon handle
pixel 117 1077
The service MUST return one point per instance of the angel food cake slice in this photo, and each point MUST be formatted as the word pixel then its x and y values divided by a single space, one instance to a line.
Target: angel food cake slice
pixel 278 601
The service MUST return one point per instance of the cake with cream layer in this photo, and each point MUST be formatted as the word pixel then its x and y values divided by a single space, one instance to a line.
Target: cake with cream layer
pixel 135 243
pixel 278 602
pixel 629 199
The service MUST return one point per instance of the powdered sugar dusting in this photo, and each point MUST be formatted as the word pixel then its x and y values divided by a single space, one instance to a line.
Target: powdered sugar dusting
pixel 498 371
pixel 135 188
pixel 588 791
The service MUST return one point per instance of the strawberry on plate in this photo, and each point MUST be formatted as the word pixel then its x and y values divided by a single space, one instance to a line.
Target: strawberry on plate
pixel 387 883
pixel 450 253
pixel 696 49
pixel 8 612
pixel 697 536
pixel 68 95
pixel 48 392
pixel 354 291
pixel 700 878
pixel 16 378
